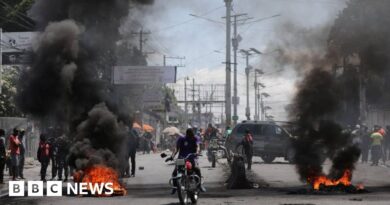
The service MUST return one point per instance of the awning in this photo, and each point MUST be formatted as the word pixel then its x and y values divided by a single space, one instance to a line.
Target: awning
pixel 145 127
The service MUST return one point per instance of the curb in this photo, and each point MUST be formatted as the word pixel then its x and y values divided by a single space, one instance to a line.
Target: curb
pixel 3 193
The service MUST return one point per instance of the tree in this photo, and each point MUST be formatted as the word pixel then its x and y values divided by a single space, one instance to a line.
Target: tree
pixel 13 15
pixel 8 108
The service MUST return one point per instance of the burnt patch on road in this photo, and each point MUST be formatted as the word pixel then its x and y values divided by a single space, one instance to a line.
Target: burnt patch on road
pixel 330 190
pixel 237 178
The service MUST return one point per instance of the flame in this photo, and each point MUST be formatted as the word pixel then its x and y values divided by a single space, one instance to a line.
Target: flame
pixel 100 174
pixel 317 181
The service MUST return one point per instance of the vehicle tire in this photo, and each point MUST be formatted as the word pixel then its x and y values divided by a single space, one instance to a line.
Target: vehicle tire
pixel 214 160
pixel 267 158
pixel 290 156
pixel 193 197
pixel 182 193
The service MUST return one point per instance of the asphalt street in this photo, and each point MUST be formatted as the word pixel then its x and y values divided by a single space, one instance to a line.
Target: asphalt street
pixel 277 183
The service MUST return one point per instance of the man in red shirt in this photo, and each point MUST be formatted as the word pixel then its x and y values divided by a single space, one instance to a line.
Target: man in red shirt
pixel 247 145
pixel 15 152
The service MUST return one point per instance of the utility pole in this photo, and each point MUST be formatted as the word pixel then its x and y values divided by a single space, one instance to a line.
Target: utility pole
pixel 228 95
pixel 248 53
pixel 235 41
pixel 247 70
pixel 256 117
pixel 199 109
pixel 257 90
pixel 193 100
pixel 262 107
pixel 142 40
pixel 262 96
pixel 185 103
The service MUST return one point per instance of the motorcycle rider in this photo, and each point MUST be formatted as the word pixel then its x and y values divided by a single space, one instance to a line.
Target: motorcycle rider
pixel 186 145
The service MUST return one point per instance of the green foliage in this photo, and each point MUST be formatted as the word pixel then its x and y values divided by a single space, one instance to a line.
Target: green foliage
pixel 13 15
pixel 8 92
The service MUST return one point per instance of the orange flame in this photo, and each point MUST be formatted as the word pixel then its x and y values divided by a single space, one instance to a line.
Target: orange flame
pixel 317 181
pixel 100 174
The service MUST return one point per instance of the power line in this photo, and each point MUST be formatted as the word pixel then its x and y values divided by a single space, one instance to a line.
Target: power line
pixel 187 21
pixel 17 13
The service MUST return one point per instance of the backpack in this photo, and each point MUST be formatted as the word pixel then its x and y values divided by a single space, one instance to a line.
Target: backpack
pixel 44 151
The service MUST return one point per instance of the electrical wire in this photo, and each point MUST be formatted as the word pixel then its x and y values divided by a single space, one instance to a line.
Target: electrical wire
pixel 187 21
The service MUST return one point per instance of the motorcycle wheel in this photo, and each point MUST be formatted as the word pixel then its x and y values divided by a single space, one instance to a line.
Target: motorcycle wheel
pixel 181 192
pixel 193 197
pixel 268 159
pixel 214 161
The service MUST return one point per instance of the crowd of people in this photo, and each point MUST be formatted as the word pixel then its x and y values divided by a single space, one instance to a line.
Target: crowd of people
pixel 53 150
pixel 375 142
pixel 12 154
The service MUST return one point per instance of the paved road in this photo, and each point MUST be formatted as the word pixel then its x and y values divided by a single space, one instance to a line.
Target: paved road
pixel 277 184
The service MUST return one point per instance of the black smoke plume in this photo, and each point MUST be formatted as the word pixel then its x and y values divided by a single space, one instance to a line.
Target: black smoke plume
pixel 358 43
pixel 319 134
pixel 68 84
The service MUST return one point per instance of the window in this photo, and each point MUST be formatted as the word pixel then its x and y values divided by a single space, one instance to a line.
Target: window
pixel 242 128
pixel 269 130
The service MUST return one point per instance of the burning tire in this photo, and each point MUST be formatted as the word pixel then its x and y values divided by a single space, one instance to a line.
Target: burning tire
pixel 267 158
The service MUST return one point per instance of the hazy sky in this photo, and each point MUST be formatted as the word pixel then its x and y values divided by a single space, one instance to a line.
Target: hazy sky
pixel 175 33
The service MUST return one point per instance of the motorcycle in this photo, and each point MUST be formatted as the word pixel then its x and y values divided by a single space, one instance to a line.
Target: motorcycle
pixel 213 151
pixel 187 182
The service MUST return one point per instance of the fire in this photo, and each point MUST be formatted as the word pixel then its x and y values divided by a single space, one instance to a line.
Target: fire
pixel 317 181
pixel 100 174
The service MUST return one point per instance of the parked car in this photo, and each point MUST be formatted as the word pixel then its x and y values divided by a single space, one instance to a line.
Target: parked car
pixel 269 140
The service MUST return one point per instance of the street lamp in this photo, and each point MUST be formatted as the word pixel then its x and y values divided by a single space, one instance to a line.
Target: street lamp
pixel 256 85
pixel 248 53
pixel 255 50
pixel 262 96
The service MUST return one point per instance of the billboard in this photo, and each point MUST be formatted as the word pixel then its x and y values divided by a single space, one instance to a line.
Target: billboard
pixel 17 41
pixel 143 75
pixel 16 58
pixel 16 47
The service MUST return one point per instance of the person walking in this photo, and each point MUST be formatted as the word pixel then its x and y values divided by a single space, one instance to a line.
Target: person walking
pixel 376 146
pixel 147 136
pixel 43 155
pixel 22 152
pixel 15 153
pixel 365 144
pixel 61 157
pixel 3 155
pixel 247 144
pixel 53 155
pixel 133 143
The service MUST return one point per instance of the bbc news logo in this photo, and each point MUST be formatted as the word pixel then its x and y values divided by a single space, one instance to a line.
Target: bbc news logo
pixel 55 188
